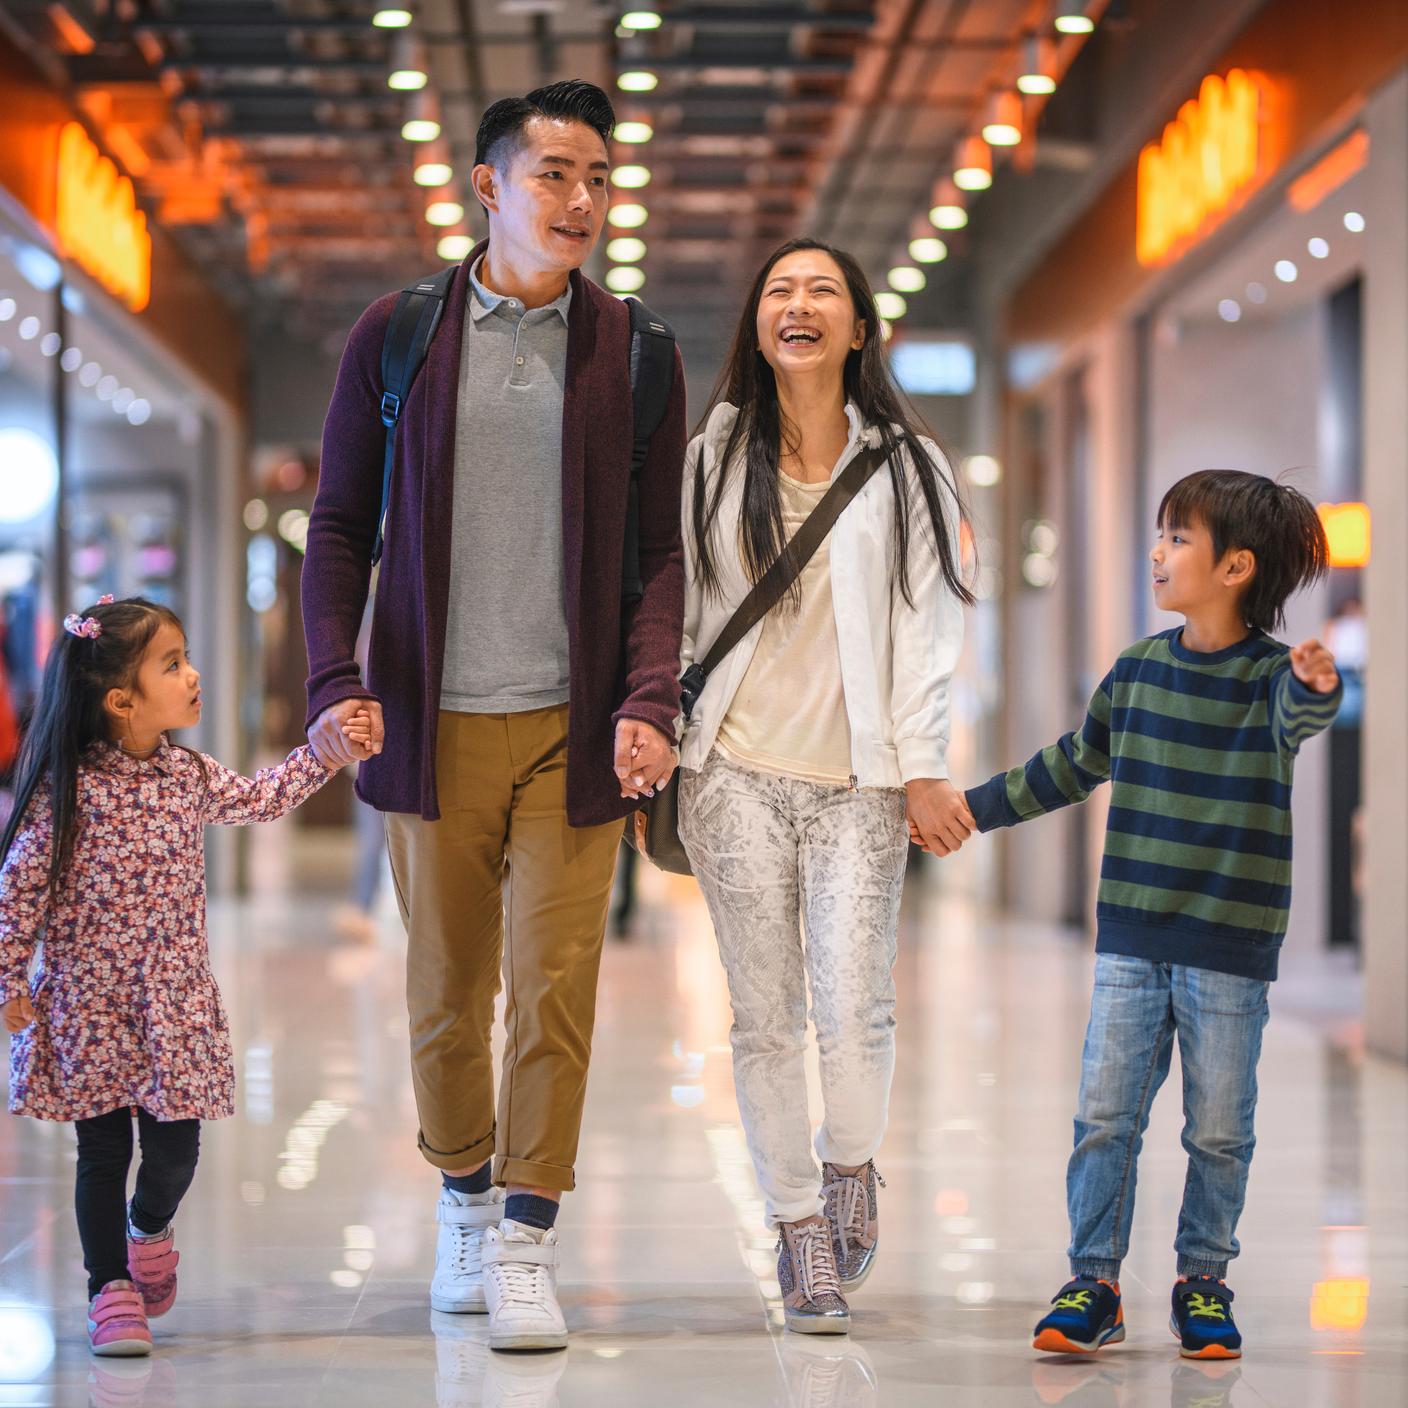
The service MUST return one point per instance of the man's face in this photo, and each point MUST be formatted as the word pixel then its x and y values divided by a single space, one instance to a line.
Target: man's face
pixel 549 204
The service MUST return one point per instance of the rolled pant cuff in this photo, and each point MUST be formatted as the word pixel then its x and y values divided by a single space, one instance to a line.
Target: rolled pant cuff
pixel 471 1156
pixel 527 1174
pixel 1096 1270
pixel 1216 1269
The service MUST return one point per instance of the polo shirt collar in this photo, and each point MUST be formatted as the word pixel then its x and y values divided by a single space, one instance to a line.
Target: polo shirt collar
pixel 483 301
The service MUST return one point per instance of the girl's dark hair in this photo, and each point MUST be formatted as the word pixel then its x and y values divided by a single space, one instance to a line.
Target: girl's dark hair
pixel 749 383
pixel 71 715
pixel 574 100
pixel 1277 524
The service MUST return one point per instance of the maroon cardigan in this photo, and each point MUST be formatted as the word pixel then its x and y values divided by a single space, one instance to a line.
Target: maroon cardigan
pixel 624 663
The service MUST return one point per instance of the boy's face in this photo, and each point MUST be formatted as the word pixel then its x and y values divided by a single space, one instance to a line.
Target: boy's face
pixel 1188 579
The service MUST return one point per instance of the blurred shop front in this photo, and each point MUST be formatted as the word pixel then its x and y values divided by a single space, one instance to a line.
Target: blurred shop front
pixel 122 384
pixel 1234 298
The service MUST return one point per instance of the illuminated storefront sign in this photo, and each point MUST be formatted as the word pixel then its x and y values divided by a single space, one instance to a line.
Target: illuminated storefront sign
pixel 1207 156
pixel 97 220
pixel 1348 532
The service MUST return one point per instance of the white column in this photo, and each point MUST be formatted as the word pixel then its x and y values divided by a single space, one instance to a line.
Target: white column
pixel 1385 926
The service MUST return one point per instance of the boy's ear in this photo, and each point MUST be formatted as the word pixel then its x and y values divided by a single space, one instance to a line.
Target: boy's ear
pixel 1239 567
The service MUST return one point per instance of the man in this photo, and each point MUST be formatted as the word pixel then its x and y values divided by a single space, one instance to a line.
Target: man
pixel 526 711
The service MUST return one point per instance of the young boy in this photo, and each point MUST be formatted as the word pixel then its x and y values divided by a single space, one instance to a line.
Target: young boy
pixel 1197 729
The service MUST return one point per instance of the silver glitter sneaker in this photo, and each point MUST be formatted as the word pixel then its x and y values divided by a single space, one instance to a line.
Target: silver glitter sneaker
pixel 812 1303
pixel 853 1215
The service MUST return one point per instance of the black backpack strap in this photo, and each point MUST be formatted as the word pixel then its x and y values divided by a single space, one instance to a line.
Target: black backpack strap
pixel 652 375
pixel 413 322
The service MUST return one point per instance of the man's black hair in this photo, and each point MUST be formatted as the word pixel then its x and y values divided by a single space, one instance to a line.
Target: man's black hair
pixel 1277 524
pixel 573 100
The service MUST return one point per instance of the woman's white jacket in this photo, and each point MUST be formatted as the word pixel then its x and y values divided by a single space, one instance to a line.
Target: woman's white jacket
pixel 896 659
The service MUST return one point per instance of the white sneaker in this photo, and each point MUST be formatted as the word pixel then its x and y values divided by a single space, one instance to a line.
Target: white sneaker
pixel 520 1286
pixel 465 1219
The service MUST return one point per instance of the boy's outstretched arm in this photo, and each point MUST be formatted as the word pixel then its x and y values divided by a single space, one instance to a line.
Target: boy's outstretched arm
pixel 1060 775
pixel 1305 695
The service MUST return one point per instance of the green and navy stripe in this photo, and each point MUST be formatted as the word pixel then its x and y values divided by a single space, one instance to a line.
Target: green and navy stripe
pixel 1200 751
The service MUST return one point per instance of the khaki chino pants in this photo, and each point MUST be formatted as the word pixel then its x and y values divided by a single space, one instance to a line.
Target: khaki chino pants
pixel 502 881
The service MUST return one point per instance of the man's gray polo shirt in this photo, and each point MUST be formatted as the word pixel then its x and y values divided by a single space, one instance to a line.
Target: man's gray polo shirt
pixel 506 636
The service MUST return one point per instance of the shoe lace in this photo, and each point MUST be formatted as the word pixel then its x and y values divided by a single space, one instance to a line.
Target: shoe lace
pixel 1208 1306
pixel 853 1207
pixel 463 1242
pixel 816 1261
pixel 525 1283
pixel 1075 1300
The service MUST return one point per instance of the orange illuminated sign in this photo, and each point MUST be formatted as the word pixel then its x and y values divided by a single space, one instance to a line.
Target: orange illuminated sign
pixel 97 220
pixel 1206 157
pixel 1347 528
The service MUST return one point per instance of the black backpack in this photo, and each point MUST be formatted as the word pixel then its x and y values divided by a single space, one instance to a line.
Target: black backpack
pixel 414 320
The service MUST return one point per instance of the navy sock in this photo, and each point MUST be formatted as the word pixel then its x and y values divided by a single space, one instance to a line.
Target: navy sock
pixel 531 1210
pixel 480 1181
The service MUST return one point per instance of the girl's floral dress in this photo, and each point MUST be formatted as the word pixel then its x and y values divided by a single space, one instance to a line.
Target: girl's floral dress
pixel 126 1010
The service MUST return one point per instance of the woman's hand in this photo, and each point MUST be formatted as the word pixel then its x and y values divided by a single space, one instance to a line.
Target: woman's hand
pixel 18 1013
pixel 939 819
pixel 645 758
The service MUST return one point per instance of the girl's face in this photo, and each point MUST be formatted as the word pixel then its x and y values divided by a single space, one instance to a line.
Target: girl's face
pixel 167 693
pixel 807 324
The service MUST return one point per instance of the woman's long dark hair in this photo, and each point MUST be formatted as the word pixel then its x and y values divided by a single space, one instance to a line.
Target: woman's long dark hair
pixel 71 715
pixel 749 383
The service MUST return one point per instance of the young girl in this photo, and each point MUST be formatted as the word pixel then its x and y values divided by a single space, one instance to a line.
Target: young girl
pixel 816 741
pixel 103 862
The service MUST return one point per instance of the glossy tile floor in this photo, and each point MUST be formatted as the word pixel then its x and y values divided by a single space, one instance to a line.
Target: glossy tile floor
pixel 308 1238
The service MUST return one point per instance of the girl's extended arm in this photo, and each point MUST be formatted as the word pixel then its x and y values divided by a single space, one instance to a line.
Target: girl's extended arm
pixel 233 800
pixel 24 897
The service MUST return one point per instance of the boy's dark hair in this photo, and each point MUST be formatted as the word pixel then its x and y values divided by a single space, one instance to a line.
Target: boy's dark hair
pixel 573 100
pixel 72 715
pixel 1277 524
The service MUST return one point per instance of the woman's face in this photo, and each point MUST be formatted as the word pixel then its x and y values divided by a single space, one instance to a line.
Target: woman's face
pixel 807 324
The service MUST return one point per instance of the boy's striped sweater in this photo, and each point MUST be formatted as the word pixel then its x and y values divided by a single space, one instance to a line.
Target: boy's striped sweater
pixel 1200 749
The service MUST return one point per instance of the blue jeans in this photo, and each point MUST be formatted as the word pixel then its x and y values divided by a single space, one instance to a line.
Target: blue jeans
pixel 1136 1010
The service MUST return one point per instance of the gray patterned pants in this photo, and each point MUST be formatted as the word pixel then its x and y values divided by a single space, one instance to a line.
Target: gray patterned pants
pixel 776 857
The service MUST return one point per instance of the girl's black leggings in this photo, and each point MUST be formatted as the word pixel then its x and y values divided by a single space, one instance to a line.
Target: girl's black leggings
pixel 170 1149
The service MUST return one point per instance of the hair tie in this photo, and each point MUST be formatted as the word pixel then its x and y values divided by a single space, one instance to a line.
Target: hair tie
pixel 87 627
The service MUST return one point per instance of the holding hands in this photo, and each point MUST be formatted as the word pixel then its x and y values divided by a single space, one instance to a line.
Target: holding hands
pixel 347 732
pixel 1314 666
pixel 939 819
pixel 645 759
pixel 18 1013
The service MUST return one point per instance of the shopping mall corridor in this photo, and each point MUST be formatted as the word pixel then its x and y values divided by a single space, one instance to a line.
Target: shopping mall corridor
pixel 308 1238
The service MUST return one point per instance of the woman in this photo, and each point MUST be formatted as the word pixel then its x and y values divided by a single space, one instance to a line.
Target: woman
pixel 816 740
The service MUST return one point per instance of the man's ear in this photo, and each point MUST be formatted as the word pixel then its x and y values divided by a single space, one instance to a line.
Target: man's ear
pixel 484 182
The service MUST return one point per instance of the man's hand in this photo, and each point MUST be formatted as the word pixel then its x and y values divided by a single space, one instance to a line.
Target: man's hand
pixel 338 737
pixel 18 1013
pixel 939 819
pixel 1314 666
pixel 644 760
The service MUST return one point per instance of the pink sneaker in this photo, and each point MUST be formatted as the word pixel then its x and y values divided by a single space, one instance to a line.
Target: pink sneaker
pixel 152 1262
pixel 117 1323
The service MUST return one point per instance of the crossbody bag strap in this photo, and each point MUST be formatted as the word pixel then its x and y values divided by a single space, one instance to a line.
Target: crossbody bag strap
pixel 772 586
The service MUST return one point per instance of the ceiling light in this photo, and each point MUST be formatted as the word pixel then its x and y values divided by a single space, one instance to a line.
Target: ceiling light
pixel 391 19
pixel 1038 66
pixel 432 173
pixel 29 474
pixel 1229 310
pixel 948 217
pixel 973 168
pixel 1319 249
pixel 890 305
pixel 407 80
pixel 1004 125
pixel 625 279
pixel 90 373
pixel 1256 292
pixel 7 309
pixel 422 118
pixel 641 19
pixel 1036 84
pixel 627 217
pixel 50 343
pixel 71 360
pixel 982 470
pixel 626 250
pixel 444 212
pixel 1071 19
pixel 29 328
pixel 634 134
pixel 1354 222
pixel 631 178
pixel 420 129
pixel 1286 271
pixel 906 279
pixel 454 247
pixel 637 81
pixel 926 250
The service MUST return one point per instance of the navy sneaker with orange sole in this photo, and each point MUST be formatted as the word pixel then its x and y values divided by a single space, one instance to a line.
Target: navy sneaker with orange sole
pixel 1085 1315
pixel 1202 1319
